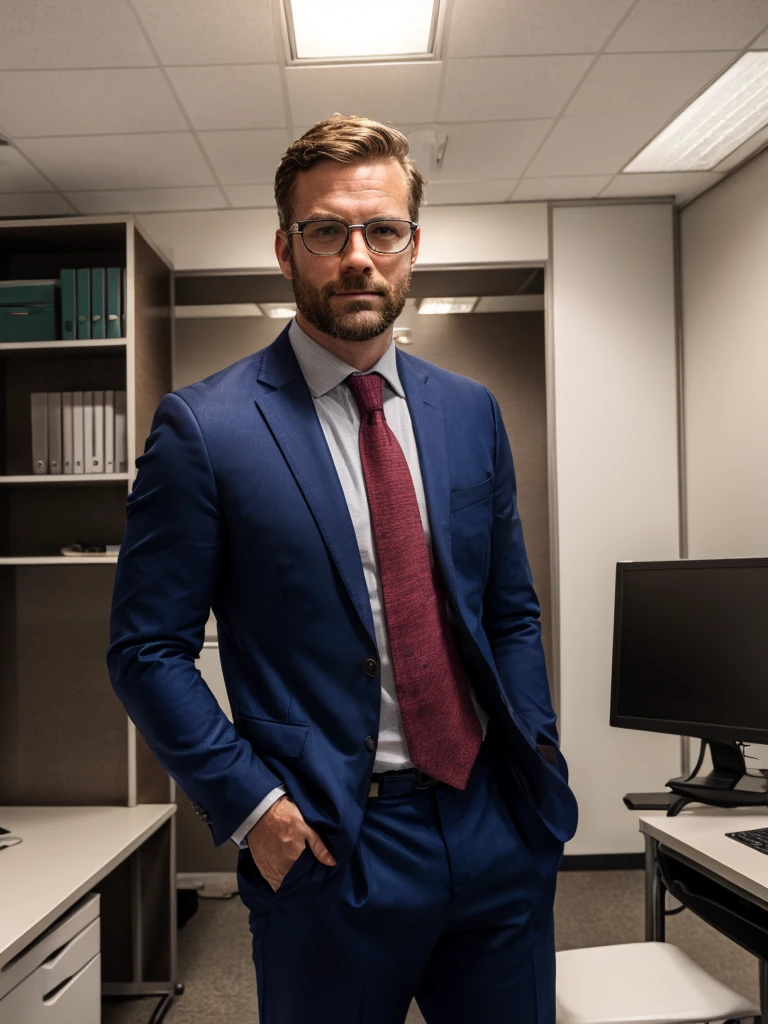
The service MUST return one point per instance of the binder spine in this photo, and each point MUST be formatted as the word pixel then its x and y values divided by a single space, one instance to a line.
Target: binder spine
pixel 68 306
pixel 113 302
pixel 109 431
pixel 98 311
pixel 54 432
pixel 121 432
pixel 39 414
pixel 67 435
pixel 98 431
pixel 88 431
pixel 83 303
pixel 77 432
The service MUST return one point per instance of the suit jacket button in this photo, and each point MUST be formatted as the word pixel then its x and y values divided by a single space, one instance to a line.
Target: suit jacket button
pixel 370 667
pixel 370 743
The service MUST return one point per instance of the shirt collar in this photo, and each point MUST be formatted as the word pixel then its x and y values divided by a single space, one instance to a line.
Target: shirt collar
pixel 323 370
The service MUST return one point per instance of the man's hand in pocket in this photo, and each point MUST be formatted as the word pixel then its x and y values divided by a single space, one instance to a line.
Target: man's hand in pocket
pixel 278 838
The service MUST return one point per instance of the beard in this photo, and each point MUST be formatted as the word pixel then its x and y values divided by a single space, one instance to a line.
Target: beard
pixel 362 319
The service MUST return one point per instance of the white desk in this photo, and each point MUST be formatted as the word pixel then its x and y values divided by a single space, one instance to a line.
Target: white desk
pixel 697 837
pixel 65 852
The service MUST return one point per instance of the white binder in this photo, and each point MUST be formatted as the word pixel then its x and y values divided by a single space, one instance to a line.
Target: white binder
pixel 77 432
pixel 98 431
pixel 109 431
pixel 54 432
pixel 88 431
pixel 67 436
pixel 121 432
pixel 39 414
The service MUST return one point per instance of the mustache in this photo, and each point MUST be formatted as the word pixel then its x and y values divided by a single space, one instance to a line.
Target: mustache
pixel 369 291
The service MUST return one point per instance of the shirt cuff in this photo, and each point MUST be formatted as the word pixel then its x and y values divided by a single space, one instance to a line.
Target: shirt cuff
pixel 238 837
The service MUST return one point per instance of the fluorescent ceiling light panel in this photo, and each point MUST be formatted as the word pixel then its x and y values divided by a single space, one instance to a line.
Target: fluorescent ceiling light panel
pixel 725 115
pixel 279 310
pixel 343 28
pixel 222 309
pixel 461 304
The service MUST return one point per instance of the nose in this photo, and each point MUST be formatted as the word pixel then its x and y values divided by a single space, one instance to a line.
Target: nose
pixel 356 253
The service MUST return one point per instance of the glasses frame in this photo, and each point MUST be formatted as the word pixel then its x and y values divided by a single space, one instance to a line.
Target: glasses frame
pixel 298 229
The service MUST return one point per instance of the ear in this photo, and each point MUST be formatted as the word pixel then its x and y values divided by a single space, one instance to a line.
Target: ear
pixel 283 253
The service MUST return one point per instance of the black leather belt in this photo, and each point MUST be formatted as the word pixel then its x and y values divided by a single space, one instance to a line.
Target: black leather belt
pixel 420 779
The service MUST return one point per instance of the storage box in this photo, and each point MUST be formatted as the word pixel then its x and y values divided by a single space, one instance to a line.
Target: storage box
pixel 29 310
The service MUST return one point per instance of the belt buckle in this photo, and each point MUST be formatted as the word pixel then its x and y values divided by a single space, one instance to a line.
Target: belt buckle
pixel 422 780
pixel 373 788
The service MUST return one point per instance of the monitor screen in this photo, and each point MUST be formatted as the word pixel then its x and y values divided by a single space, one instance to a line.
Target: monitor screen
pixel 690 651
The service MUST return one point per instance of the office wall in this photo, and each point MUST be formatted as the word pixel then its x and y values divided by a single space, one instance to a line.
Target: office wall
pixel 724 258
pixel 451 235
pixel 613 400
pixel 505 351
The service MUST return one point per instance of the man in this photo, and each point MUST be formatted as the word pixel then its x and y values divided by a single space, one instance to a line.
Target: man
pixel 392 777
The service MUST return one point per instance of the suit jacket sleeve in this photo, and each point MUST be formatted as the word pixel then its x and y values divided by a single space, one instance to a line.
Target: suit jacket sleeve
pixel 166 580
pixel 511 613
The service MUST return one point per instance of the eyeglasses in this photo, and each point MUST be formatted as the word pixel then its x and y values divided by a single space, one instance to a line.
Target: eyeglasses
pixel 328 237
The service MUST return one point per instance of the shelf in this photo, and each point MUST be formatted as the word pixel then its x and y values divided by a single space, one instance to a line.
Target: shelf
pixel 26 346
pixel 65 478
pixel 60 560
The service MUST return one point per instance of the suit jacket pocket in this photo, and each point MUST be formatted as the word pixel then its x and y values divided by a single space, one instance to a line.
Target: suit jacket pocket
pixel 466 496
pixel 273 738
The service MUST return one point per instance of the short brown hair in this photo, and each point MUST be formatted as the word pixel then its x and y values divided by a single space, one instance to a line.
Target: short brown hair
pixel 349 140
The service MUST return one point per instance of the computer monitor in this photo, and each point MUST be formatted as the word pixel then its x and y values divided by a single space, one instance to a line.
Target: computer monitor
pixel 690 657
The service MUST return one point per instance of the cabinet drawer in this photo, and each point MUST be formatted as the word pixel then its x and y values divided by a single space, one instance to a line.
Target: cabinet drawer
pixel 53 944
pixel 75 1001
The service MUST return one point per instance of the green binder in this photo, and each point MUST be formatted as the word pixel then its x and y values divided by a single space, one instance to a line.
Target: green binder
pixel 84 302
pixel 113 302
pixel 68 307
pixel 98 310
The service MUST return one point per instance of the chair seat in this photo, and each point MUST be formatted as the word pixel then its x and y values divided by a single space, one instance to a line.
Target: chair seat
pixel 641 983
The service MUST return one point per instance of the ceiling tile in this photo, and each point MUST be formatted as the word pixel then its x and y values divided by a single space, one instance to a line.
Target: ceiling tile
pixel 441 193
pixel 251 195
pixel 148 200
pixel 586 187
pixel 240 96
pixel 86 102
pixel 210 31
pixel 509 88
pixel 245 157
pixel 683 185
pixel 690 25
pixel 494 27
pixel 592 145
pixel 120 161
pixel 761 43
pixel 34 204
pixel 71 34
pixel 658 84
pixel 384 92
pixel 18 175
pixel 500 149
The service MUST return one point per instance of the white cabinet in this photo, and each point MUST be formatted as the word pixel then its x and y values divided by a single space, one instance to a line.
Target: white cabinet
pixel 56 979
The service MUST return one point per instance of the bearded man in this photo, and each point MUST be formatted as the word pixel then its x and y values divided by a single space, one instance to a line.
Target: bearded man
pixel 392 774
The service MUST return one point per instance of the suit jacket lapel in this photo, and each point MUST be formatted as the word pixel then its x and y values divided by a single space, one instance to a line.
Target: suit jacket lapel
pixel 291 416
pixel 426 410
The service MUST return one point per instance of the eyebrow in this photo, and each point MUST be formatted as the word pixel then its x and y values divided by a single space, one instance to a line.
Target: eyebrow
pixel 335 216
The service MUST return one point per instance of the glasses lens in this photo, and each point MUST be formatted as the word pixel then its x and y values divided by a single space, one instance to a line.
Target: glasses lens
pixel 388 235
pixel 324 236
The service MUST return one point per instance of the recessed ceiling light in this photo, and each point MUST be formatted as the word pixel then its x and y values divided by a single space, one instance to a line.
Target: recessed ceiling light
pixel 462 304
pixel 718 121
pixel 348 29
pixel 279 310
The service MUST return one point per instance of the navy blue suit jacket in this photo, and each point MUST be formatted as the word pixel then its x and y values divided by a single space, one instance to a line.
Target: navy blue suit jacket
pixel 237 507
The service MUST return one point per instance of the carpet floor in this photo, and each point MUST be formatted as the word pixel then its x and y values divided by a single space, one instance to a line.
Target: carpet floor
pixel 593 908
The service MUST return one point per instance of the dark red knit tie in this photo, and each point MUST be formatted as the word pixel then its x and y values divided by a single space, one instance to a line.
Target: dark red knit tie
pixel 442 730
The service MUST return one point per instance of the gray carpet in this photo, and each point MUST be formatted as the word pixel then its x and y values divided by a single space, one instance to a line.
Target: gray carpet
pixel 593 908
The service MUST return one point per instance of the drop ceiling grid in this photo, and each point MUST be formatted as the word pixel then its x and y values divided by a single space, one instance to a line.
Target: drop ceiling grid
pixel 536 98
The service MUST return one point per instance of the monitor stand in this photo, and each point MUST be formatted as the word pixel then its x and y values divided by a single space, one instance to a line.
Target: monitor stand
pixel 727 785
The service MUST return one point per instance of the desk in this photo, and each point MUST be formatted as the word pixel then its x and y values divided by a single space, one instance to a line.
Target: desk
pixel 696 839
pixel 69 851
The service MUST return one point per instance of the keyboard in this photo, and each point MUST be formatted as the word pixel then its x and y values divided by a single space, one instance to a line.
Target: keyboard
pixel 757 838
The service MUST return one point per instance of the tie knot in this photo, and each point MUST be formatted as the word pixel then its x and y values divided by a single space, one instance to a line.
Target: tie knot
pixel 368 391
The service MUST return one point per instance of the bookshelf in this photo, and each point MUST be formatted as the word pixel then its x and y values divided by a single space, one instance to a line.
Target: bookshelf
pixel 65 739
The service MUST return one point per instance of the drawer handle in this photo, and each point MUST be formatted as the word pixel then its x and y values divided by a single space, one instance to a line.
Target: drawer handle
pixel 58 991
